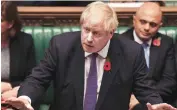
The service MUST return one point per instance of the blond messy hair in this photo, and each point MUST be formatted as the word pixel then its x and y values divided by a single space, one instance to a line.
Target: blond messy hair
pixel 110 21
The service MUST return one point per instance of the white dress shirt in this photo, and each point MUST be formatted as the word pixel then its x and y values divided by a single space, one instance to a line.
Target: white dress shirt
pixel 100 60
pixel 138 40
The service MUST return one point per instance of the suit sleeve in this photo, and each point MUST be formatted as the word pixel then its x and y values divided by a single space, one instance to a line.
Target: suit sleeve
pixel 144 88
pixel 167 83
pixel 38 81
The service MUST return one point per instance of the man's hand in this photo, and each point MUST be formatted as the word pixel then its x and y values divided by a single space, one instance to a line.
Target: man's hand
pixel 8 94
pixel 162 106
pixel 5 86
pixel 133 102
pixel 19 103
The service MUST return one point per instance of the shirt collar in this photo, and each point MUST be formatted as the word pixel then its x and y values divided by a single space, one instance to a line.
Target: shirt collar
pixel 103 53
pixel 138 40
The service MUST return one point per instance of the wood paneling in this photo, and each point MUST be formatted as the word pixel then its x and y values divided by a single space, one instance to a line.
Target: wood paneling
pixel 70 14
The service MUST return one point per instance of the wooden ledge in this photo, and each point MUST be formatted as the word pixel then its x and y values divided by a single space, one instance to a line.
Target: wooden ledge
pixel 76 11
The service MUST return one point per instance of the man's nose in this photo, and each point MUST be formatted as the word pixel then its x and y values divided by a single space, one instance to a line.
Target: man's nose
pixel 90 37
pixel 147 26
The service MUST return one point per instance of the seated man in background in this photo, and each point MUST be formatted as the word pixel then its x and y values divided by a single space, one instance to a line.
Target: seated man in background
pixel 91 70
pixel 158 50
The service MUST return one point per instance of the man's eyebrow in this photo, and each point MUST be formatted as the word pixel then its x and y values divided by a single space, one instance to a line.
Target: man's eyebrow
pixel 148 21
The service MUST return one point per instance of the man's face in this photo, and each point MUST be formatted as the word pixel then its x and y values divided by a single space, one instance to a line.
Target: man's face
pixel 146 25
pixel 94 37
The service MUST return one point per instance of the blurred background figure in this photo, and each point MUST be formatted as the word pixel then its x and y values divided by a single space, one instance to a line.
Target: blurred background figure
pixel 17 51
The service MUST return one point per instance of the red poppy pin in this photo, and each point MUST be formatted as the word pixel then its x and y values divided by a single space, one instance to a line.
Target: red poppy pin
pixel 107 64
pixel 157 41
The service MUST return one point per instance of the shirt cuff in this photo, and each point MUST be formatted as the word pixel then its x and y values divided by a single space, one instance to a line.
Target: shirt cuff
pixel 25 97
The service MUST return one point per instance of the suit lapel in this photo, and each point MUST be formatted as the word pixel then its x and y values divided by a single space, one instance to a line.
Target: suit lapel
pixel 154 54
pixel 78 70
pixel 114 55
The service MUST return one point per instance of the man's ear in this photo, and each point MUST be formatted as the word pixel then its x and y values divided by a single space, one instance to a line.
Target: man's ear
pixel 134 18
pixel 161 24
pixel 111 33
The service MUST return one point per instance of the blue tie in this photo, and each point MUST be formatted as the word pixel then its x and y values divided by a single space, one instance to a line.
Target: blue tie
pixel 91 87
pixel 145 47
